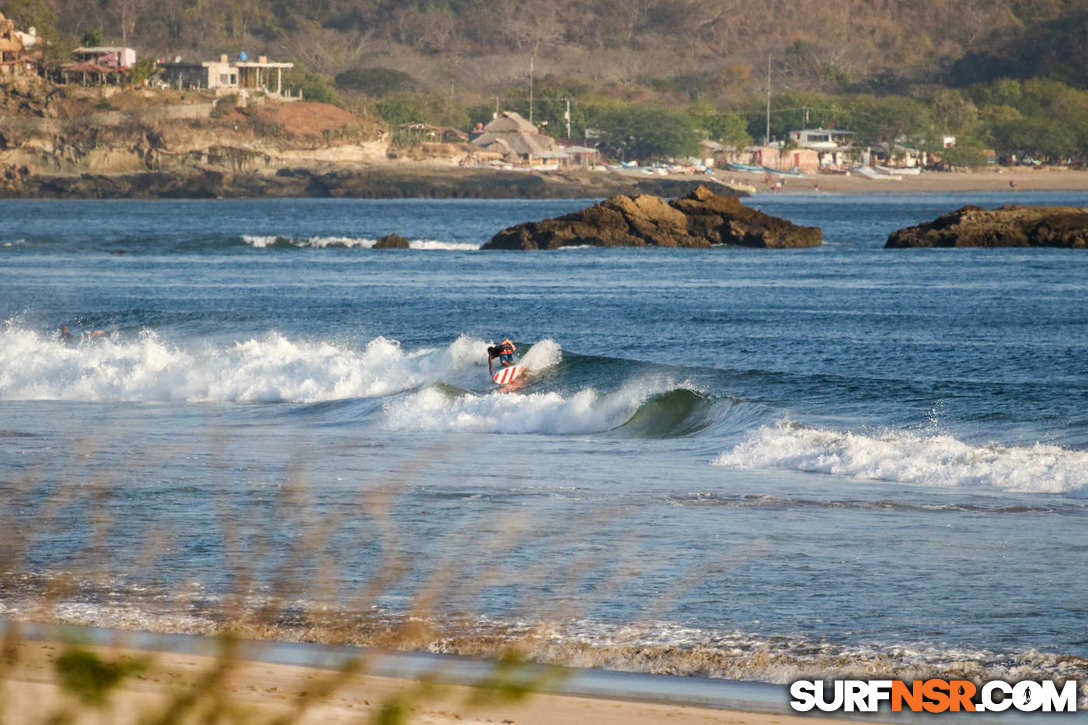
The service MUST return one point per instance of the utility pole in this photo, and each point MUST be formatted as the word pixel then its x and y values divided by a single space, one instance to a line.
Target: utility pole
pixel 567 115
pixel 767 135
pixel 532 64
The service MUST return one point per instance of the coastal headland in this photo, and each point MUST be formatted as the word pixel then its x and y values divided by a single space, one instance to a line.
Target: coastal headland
pixel 70 142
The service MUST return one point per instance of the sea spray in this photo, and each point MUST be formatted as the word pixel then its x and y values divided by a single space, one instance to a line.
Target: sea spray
pixel 272 368
pixel 547 412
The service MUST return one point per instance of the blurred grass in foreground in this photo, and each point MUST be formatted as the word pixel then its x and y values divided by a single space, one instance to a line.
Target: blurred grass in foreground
pixel 93 678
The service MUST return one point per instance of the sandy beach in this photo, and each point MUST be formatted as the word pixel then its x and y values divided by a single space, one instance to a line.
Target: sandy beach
pixel 262 692
pixel 1023 179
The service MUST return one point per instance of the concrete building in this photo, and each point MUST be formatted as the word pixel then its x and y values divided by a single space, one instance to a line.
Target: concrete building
pixel 259 75
pixel 822 138
pixel 225 75
pixel 833 147
pixel 781 158
pixel 209 74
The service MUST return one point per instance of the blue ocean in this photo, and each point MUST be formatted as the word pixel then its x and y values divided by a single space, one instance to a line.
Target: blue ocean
pixel 735 463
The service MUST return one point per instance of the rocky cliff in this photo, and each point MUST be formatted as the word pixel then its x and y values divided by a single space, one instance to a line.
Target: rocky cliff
pixel 1007 226
pixel 700 219
pixel 63 140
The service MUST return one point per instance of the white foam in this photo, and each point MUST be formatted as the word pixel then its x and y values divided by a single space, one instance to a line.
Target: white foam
pixel 586 411
pixel 324 242
pixel 318 242
pixel 258 241
pixel 907 457
pixel 269 368
pixel 433 245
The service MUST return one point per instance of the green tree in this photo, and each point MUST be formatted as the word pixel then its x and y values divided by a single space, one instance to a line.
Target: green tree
pixel 952 113
pixel 314 86
pixel 969 155
pixel 145 69
pixel 401 109
pixel 376 82
pixel 92 38
pixel 729 129
pixel 884 119
pixel 647 133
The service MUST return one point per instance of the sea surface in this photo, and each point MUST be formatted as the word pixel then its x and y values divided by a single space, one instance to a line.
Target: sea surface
pixel 738 463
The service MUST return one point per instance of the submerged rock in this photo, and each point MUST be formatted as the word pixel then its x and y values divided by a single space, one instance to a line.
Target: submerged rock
pixel 391 241
pixel 1007 226
pixel 700 219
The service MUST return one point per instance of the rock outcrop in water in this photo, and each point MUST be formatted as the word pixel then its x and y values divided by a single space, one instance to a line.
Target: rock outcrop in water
pixel 1008 226
pixel 392 241
pixel 700 219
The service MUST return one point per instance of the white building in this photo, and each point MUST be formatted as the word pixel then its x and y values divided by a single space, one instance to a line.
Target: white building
pixel 115 58
pixel 833 146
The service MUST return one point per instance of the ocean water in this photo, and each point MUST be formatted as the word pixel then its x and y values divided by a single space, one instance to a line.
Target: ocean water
pixel 737 463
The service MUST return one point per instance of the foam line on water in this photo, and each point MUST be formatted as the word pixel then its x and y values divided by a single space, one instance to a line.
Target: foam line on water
pixel 322 242
pixel 908 457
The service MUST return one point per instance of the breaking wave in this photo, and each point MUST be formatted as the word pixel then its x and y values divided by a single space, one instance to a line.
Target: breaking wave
pixel 906 457
pixel 272 368
pixel 265 241
pixel 642 408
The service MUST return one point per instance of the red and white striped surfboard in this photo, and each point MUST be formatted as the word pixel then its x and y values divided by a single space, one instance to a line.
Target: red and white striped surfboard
pixel 507 375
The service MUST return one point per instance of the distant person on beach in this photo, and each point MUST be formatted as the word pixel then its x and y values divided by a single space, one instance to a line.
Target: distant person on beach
pixel 1012 184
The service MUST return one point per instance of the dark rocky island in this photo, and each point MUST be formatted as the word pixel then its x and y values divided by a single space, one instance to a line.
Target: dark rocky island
pixel 391 241
pixel 1007 226
pixel 700 219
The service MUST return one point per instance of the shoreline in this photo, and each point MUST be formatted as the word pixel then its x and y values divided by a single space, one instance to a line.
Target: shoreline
pixel 272 679
pixel 404 181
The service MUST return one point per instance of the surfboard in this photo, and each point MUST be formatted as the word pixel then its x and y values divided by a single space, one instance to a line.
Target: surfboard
pixel 507 375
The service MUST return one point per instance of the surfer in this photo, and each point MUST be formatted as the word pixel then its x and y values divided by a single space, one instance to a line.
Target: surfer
pixel 504 351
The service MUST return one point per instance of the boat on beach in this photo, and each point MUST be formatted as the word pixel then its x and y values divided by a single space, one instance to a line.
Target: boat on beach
pixel 735 166
pixel 781 172
pixel 892 170
pixel 870 173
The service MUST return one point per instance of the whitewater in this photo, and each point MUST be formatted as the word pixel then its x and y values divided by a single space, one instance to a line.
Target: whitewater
pixel 733 463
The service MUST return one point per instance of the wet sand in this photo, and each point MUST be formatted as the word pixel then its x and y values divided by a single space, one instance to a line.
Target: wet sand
pixel 261 691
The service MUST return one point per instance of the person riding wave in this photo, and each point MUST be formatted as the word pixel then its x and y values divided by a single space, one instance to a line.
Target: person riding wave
pixel 504 351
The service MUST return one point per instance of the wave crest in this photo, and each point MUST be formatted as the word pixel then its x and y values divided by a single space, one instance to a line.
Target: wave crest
pixel 439 408
pixel 264 241
pixel 905 457
pixel 272 368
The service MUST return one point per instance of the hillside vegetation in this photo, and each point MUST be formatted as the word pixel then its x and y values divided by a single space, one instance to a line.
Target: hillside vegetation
pixel 1004 74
